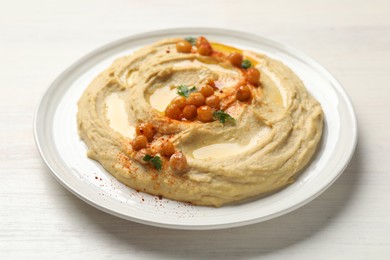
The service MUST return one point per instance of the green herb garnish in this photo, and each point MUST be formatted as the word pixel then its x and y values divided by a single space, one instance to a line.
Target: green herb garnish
pixel 246 64
pixel 155 160
pixel 191 40
pixel 147 158
pixel 185 91
pixel 223 117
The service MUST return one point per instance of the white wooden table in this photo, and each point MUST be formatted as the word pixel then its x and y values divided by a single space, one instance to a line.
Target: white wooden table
pixel 39 219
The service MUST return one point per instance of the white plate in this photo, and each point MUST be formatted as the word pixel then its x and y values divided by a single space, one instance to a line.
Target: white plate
pixel 59 144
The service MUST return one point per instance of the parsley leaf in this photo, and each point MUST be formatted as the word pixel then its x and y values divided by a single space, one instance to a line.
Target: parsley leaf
pixel 147 158
pixel 223 117
pixel 185 91
pixel 246 64
pixel 156 161
pixel 191 40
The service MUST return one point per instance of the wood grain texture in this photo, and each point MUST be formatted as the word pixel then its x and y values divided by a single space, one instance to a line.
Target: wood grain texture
pixel 40 219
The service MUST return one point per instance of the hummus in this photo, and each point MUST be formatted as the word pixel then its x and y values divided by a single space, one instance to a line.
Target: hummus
pixel 236 136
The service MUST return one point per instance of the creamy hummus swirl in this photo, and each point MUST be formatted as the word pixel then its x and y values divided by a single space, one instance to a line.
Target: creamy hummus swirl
pixel 273 138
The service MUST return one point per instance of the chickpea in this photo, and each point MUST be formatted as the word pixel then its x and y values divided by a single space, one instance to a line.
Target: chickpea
pixel 178 162
pixel 253 76
pixel 205 114
pixel 201 40
pixel 235 59
pixel 139 156
pixel 211 83
pixel 205 50
pixel 173 111
pixel 213 101
pixel 139 142
pixel 243 93
pixel 145 129
pixel 180 101
pixel 206 90
pixel 189 112
pixel 196 99
pixel 183 46
pixel 167 148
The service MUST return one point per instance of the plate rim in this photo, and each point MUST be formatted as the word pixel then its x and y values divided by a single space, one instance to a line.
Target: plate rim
pixel 203 30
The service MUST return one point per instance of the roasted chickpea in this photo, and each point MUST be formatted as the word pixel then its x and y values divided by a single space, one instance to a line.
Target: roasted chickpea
pixel 243 93
pixel 183 46
pixel 173 111
pixel 205 50
pixel 206 90
pixel 213 101
pixel 211 83
pixel 167 148
pixel 178 162
pixel 253 76
pixel 201 40
pixel 139 156
pixel 145 129
pixel 196 99
pixel 180 101
pixel 235 59
pixel 189 112
pixel 139 142
pixel 205 114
